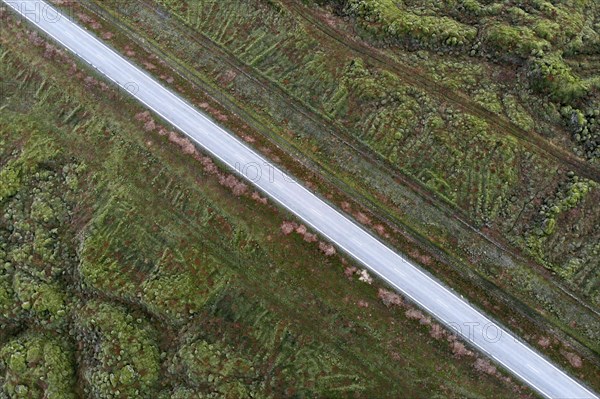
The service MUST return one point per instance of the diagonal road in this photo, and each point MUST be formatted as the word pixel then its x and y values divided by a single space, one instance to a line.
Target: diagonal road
pixel 448 307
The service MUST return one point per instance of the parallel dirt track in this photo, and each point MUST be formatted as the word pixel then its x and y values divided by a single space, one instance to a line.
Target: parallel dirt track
pixel 413 76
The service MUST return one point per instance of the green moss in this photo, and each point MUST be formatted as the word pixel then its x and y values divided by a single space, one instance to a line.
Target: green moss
pixel 514 40
pixel 47 300
pixel 552 76
pixel 517 113
pixel 389 18
pixel 125 351
pixel 32 358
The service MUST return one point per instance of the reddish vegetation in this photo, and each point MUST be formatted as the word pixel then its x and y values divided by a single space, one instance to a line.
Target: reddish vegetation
pixel 213 111
pixel 248 139
pixel 35 39
pixel 420 258
pixel 61 2
pixel 237 187
pixel 84 18
pixel 288 227
pixel 380 229
pixel 327 249
pixel 168 79
pixel 349 271
pixel 150 126
pixel 363 304
pixel 258 198
pixel 72 69
pixel 186 145
pixel 149 66
pixel 129 52
pixel 362 218
pixel 437 331
pixel 346 207
pixel 414 314
pixel 574 359
pixel 309 237
pixel 207 163
pixel 50 51
pixel 484 366
pixel 544 342
pixel 142 116
pixel 89 83
pixel 459 349
pixel 389 298
pixel 230 181
pixel 301 229
pixel 88 20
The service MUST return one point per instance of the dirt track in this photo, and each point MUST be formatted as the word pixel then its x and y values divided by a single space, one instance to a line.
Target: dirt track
pixel 413 76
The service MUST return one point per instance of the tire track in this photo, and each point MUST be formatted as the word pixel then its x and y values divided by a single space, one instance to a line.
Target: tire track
pixel 414 77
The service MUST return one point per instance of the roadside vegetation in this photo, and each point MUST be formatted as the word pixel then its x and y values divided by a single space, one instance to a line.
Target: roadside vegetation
pixel 134 266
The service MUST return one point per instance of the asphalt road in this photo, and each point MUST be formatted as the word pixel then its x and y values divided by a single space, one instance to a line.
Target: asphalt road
pixel 445 305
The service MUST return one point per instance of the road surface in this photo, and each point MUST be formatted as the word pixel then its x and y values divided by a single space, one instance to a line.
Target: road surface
pixel 445 305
